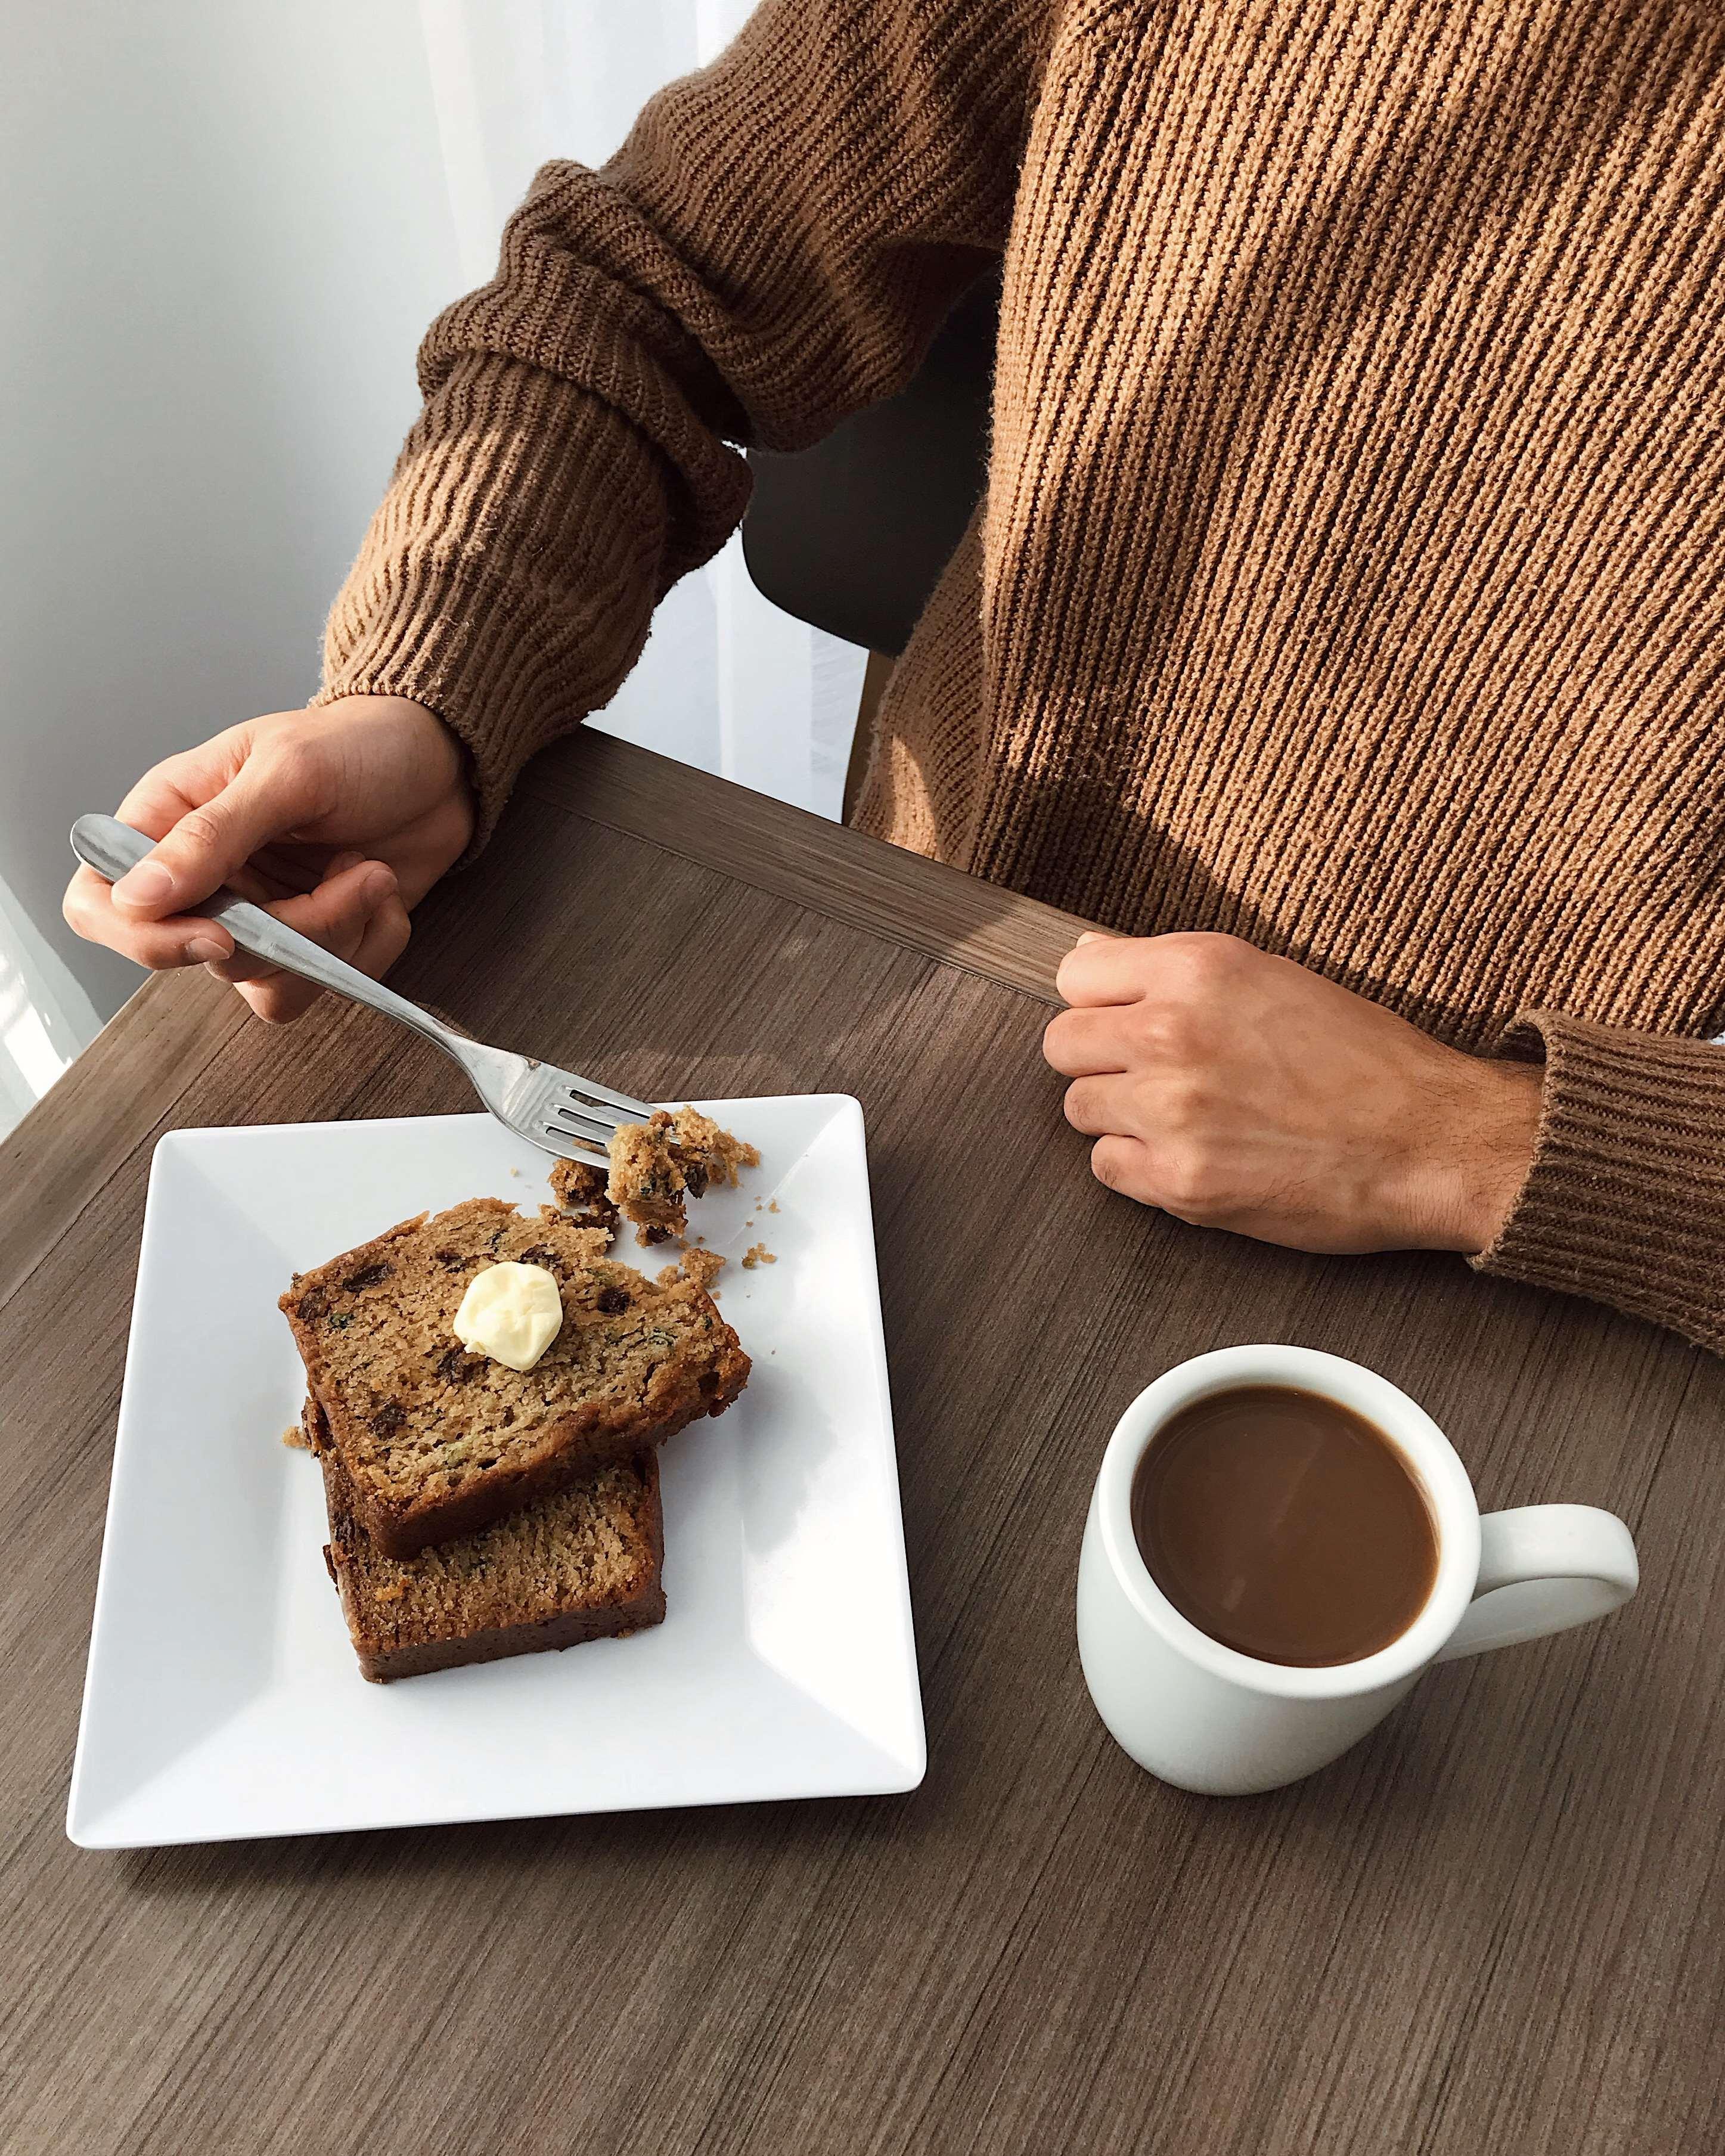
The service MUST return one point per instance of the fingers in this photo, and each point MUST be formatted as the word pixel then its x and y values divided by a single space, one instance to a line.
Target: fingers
pixel 269 793
pixel 335 914
pixel 180 940
pixel 175 786
pixel 1100 1106
pixel 1129 969
pixel 284 996
pixel 1102 969
pixel 1081 1043
pixel 359 915
pixel 1123 1164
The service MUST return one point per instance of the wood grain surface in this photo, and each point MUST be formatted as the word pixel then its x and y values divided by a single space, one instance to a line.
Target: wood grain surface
pixel 1496 1926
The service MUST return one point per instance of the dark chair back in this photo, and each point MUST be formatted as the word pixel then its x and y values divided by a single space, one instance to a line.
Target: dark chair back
pixel 852 534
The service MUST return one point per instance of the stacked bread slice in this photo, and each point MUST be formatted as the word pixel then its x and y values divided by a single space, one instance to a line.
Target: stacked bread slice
pixel 477 1510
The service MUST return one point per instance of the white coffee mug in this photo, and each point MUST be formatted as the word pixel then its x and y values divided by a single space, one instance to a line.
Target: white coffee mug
pixel 1209 1719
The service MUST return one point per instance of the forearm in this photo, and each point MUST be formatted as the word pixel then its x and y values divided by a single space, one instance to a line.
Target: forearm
pixel 491 587
pixel 782 233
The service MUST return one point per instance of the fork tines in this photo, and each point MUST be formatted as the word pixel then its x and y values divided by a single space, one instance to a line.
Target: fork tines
pixel 580 1110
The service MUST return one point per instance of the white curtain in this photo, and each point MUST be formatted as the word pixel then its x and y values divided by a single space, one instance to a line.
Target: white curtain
pixel 224 363
pixel 45 1018
pixel 727 682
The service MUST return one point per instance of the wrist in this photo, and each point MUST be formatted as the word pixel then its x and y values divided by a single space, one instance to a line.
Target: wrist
pixel 425 747
pixel 365 706
pixel 1480 1153
pixel 448 744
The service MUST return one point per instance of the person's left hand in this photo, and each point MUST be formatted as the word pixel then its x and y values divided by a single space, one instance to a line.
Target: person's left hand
pixel 1235 1090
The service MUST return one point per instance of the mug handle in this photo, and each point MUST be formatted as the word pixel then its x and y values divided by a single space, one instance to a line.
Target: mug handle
pixel 1542 1568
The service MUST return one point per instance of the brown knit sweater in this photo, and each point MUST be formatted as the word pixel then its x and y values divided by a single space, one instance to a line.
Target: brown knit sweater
pixel 1350 574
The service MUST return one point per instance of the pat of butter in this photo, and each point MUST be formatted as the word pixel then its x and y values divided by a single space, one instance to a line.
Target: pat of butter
pixel 511 1313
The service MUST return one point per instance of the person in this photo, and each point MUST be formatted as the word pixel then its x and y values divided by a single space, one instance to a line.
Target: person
pixel 1343 627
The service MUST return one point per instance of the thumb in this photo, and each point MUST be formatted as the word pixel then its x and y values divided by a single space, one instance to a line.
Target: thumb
pixel 267 797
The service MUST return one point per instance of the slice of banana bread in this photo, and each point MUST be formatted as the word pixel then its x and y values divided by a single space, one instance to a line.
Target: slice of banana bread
pixel 581 1565
pixel 436 1442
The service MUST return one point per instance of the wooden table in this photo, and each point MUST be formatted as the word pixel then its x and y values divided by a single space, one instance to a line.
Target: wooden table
pixel 1497 1925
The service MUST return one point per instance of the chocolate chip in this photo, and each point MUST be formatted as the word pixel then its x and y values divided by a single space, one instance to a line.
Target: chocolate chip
pixel 367 1276
pixel 655 1234
pixel 389 1417
pixel 456 1367
pixel 695 1176
pixel 450 1260
pixel 611 1300
pixel 541 1254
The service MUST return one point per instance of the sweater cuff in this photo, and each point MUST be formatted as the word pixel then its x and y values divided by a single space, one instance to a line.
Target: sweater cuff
pixel 508 579
pixel 1624 1202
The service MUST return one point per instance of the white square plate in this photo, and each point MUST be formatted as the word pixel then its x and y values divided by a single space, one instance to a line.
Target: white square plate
pixel 222 1698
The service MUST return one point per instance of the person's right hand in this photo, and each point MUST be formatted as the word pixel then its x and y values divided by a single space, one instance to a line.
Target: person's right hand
pixel 338 819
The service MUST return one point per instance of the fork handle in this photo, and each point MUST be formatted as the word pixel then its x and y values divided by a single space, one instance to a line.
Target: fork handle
pixel 110 848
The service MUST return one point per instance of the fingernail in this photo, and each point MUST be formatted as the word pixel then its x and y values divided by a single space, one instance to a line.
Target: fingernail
pixel 1089 936
pixel 146 884
pixel 380 883
pixel 205 950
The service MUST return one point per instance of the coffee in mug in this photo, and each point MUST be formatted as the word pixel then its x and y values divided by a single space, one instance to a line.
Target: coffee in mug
pixel 1285 1524
pixel 1230 1534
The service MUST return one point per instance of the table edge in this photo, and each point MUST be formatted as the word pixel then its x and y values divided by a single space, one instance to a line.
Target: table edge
pixel 921 904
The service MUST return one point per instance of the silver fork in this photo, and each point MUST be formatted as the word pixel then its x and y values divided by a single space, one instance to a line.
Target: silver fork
pixel 555 1110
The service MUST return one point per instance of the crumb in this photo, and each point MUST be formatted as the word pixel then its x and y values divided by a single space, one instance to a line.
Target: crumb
pixel 757 1254
pixel 579 1187
pixel 296 1437
pixel 515 1171
pixel 392 1593
pixel 773 1205
pixel 703 1267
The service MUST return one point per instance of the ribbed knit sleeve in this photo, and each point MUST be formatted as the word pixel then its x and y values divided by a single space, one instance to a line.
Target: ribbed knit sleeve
pixel 772 248
pixel 1625 1199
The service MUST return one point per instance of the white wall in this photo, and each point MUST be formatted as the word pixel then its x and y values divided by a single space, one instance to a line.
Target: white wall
pixel 227 224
